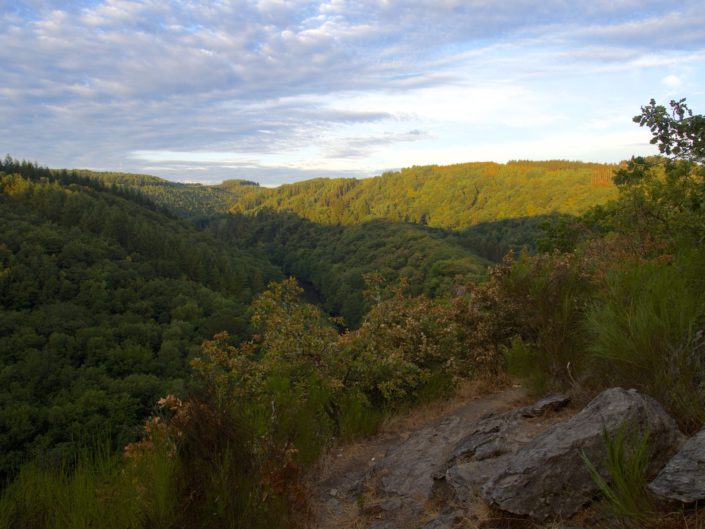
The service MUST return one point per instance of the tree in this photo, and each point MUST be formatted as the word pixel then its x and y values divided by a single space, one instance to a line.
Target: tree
pixel 663 198
pixel 678 133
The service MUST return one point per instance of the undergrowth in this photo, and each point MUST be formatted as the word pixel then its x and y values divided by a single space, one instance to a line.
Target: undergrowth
pixel 623 478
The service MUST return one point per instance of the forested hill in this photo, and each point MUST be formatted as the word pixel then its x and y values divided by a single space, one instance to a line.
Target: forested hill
pixel 186 200
pixel 103 300
pixel 452 197
pixel 431 225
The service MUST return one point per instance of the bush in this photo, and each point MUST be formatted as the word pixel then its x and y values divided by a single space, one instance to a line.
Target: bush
pixel 547 296
pixel 645 332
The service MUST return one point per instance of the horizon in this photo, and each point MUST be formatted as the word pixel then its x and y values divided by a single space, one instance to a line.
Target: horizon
pixel 216 183
pixel 282 91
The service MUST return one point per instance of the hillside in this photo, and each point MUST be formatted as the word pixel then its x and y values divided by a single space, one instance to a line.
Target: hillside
pixel 433 226
pixel 185 200
pixel 333 260
pixel 103 300
pixel 453 197
pixel 107 295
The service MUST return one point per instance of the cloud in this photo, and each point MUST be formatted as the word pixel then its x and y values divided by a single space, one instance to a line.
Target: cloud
pixel 672 81
pixel 89 83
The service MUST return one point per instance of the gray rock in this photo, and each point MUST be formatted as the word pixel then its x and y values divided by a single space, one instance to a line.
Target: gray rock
pixel 405 472
pixel 554 402
pixel 445 520
pixel 466 479
pixel 391 505
pixel 483 453
pixel 501 433
pixel 548 478
pixel 438 523
pixel 683 477
pixel 383 525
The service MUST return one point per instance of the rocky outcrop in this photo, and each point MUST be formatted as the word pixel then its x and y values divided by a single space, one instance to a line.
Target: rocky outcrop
pixel 485 450
pixel 683 477
pixel 401 483
pixel 547 477
pixel 527 461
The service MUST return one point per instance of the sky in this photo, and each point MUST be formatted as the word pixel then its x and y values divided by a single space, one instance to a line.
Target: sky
pixel 283 90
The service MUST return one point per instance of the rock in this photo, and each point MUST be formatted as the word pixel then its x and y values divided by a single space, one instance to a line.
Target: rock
pixel 333 507
pixel 501 433
pixel 391 505
pixel 466 479
pixel 438 523
pixel 554 402
pixel 383 525
pixel 483 453
pixel 548 478
pixel 405 472
pixel 445 521
pixel 683 477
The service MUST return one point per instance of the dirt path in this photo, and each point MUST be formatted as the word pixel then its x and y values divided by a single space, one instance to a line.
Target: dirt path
pixel 387 482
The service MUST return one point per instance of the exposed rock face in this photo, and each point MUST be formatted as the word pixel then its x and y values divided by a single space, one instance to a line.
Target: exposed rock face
pixel 683 477
pixel 402 483
pixel 446 521
pixel 547 477
pixel 526 461
pixel 484 452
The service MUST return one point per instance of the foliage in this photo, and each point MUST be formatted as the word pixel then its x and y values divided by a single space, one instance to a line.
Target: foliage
pixel 452 197
pixel 333 260
pixel 646 332
pixel 95 491
pixel 106 296
pixel 305 383
pixel 185 200
pixel 679 133
pixel 102 301
pixel 542 300
pixel 405 345
pixel 618 302
pixel 624 487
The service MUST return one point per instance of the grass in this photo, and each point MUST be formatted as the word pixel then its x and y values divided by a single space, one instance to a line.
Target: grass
pixel 522 361
pixel 624 486
pixel 357 418
pixel 93 492
pixel 644 334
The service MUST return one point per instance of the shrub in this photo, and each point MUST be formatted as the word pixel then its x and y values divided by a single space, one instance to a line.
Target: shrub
pixel 645 332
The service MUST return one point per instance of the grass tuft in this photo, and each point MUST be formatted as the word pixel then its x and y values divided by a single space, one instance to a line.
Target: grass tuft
pixel 624 486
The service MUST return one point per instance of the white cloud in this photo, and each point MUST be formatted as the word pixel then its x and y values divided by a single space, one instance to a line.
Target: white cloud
pixel 336 85
pixel 672 81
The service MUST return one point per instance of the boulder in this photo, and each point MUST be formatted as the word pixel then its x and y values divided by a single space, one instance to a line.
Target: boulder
pixel 683 477
pixel 496 434
pixel 547 477
pixel 483 452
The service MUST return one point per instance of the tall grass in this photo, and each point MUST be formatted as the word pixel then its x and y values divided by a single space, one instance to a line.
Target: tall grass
pixel 356 417
pixel 624 486
pixel 155 476
pixel 646 333
pixel 524 360
pixel 95 491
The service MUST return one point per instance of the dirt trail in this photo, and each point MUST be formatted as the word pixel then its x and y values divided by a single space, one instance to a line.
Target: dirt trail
pixel 386 482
